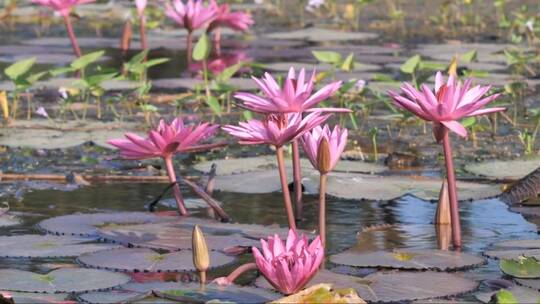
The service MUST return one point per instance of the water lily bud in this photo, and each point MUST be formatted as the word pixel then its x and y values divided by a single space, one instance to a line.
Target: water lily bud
pixel 323 156
pixel 4 104
pixel 201 258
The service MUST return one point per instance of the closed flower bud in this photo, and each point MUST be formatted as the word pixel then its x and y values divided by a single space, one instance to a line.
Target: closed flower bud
pixel 201 258
pixel 323 157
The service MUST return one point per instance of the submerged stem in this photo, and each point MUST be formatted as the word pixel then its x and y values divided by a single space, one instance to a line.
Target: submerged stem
pixel 452 191
pixel 285 188
pixel 297 175
pixel 322 208
pixel 176 188
pixel 239 271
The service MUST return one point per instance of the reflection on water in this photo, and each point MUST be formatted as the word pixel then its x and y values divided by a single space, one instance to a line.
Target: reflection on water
pixel 483 222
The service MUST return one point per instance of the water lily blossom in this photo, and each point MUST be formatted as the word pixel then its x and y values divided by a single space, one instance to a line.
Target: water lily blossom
pixel 237 21
pixel 295 96
pixel 192 15
pixel 445 106
pixel 165 141
pixel 323 148
pixel 63 7
pixel 277 130
pixel 141 7
pixel 289 265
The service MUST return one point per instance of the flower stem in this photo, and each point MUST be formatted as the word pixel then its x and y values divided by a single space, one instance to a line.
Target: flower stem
pixel 189 46
pixel 239 271
pixel 285 188
pixel 142 33
pixel 176 188
pixel 71 35
pixel 452 191
pixel 297 174
pixel 322 208
pixel 217 41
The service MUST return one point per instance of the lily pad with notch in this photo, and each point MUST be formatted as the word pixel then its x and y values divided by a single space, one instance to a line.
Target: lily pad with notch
pixel 48 246
pixel 147 260
pixel 87 224
pixel 439 260
pixel 61 280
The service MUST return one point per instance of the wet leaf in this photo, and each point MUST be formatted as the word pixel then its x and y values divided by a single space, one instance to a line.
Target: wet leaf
pixel 85 60
pixel 411 65
pixel 202 48
pixel 19 68
pixel 327 57
pixel 504 296
pixel 522 267
pixel 403 256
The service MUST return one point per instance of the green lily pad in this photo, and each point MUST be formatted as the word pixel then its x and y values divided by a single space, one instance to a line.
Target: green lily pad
pixel 521 294
pixel 522 267
pixel 60 280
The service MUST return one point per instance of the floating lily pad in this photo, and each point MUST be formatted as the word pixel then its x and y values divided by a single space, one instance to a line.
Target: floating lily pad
pixel 31 298
pixel 284 67
pixel 409 259
pixel 191 203
pixel 522 267
pixel 524 244
pixel 47 246
pixel 169 236
pixel 521 294
pixel 321 35
pixel 530 283
pixel 394 286
pixel 498 169
pixel 268 162
pixel 527 212
pixel 486 51
pixel 60 280
pixel 359 186
pixel 41 139
pixel 45 58
pixel 513 249
pixel 85 224
pixel 228 294
pixel 147 260
pixel 91 42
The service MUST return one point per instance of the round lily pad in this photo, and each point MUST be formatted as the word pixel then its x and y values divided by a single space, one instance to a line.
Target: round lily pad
pixel 522 267
pixel 360 186
pixel 168 236
pixel 183 293
pixel 530 283
pixel 395 286
pixel 41 139
pixel 285 66
pixel 47 246
pixel 513 249
pixel 409 259
pixel 91 42
pixel 321 35
pixel 268 162
pixel 521 294
pixel 525 244
pixel 527 212
pixel 60 280
pixel 147 260
pixel 30 297
pixel 245 84
pixel 85 224
pixel 499 169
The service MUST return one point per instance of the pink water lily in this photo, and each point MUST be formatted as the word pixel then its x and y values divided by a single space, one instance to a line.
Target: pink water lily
pixel 276 129
pixel 61 6
pixel 141 6
pixel 450 102
pixel 337 141
pixel 238 21
pixel 291 265
pixel 192 15
pixel 295 96
pixel 165 141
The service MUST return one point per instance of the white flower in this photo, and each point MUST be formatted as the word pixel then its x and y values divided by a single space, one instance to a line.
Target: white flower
pixel 63 93
pixel 530 25
pixel 42 112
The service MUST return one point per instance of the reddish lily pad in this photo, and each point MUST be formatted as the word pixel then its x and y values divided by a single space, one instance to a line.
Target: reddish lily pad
pixel 395 286
pixel 85 224
pixel 439 260
pixel 47 246
pixel 147 260
pixel 168 236
pixel 187 292
pixel 60 280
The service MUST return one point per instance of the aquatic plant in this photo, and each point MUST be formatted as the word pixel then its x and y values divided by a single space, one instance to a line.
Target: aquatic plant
pixel 448 103
pixel 192 16
pixel 63 7
pixel 237 21
pixel 296 96
pixel 165 141
pixel 288 265
pixel 323 148
pixel 277 130
pixel 201 258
